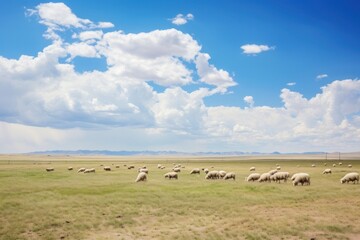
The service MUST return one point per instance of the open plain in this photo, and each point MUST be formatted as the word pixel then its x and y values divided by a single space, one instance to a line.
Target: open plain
pixel 63 204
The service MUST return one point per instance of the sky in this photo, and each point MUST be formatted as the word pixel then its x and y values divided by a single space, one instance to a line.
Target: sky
pixel 189 76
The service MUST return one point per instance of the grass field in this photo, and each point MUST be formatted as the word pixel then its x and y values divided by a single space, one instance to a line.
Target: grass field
pixel 35 204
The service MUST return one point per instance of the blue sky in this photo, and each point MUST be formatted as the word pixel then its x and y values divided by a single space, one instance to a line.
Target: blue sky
pixel 299 91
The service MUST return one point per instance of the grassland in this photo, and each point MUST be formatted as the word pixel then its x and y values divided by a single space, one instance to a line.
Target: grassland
pixel 35 204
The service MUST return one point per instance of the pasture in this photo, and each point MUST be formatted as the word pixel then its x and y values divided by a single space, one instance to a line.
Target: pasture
pixel 35 204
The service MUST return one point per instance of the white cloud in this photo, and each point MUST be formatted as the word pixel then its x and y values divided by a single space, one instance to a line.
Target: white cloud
pixel 254 49
pixel 249 100
pixel 291 84
pixel 181 19
pixel 321 76
pixel 211 75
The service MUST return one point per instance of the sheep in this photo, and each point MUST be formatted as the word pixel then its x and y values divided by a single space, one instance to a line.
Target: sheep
pixel 141 177
pixel 81 170
pixel 144 170
pixel 334 165
pixel 162 167
pixel 327 171
pixel 340 163
pixel 325 164
pixel 176 169
pixel 195 171
pixel 70 168
pixel 206 171
pixel 171 175
pixel 212 175
pixel 131 166
pixel 89 170
pixel 349 166
pixel 277 177
pixel 159 166
pixel 50 169
pixel 313 165
pixel 278 168
pixel 107 168
pixel 117 166
pixel 272 172
pixel 229 175
pixel 265 177
pixel 253 177
pixel 302 178
pixel 252 169
pixel 222 174
pixel 350 177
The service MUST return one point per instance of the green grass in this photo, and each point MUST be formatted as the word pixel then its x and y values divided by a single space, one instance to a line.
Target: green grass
pixel 35 204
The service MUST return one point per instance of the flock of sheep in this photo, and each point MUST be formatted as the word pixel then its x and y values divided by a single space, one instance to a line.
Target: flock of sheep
pixel 274 175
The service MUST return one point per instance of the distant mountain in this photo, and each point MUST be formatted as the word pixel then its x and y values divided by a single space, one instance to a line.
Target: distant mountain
pixel 156 153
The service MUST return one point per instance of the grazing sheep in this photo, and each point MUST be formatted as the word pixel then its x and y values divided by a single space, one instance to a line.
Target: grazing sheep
pixel 334 165
pixel 325 164
pixel 206 171
pixel 177 169
pixel 70 168
pixel 222 174
pixel 171 175
pixel 277 177
pixel 349 166
pixel 131 166
pixel 350 177
pixel 49 169
pixel 212 175
pixel 89 170
pixel 272 172
pixel 81 170
pixel 313 165
pixel 340 163
pixel 252 169
pixel 141 177
pixel 278 168
pixel 302 178
pixel 159 166
pixel 162 167
pixel 265 177
pixel 117 166
pixel 107 168
pixel 195 171
pixel 144 170
pixel 229 175
pixel 327 171
pixel 253 177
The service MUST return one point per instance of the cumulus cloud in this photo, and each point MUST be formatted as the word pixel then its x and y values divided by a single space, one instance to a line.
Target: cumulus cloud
pixel 249 100
pixel 321 76
pixel 253 49
pixel 181 19
pixel 44 95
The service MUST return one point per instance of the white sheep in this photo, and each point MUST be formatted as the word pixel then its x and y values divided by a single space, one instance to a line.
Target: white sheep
pixel 277 177
pixel 325 164
pixel 302 178
pixel 229 175
pixel 252 177
pixel 334 165
pixel 222 174
pixel 327 171
pixel 70 168
pixel 265 177
pixel 350 177
pixel 176 169
pixel 50 169
pixel 206 171
pixel 252 169
pixel 81 170
pixel 131 167
pixel 89 170
pixel 212 175
pixel 349 166
pixel 171 175
pixel 144 170
pixel 107 168
pixel 195 171
pixel 313 165
pixel 141 177
pixel 340 163
pixel 272 172
pixel 159 166
pixel 162 167
pixel 278 168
